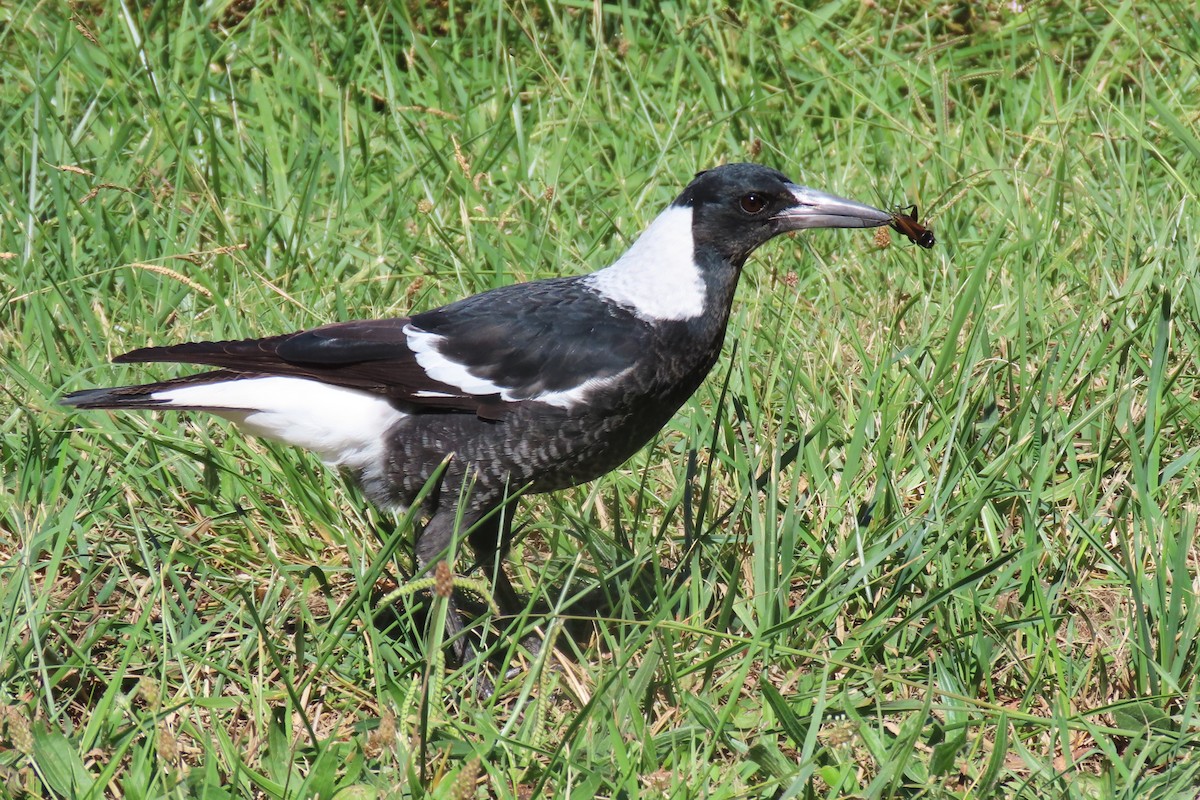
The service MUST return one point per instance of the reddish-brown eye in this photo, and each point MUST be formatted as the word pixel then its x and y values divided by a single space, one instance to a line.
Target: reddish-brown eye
pixel 753 203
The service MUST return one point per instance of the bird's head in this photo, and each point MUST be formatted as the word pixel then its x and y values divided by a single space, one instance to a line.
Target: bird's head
pixel 685 266
pixel 737 207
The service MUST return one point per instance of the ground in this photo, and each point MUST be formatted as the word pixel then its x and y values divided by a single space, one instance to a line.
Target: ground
pixel 928 530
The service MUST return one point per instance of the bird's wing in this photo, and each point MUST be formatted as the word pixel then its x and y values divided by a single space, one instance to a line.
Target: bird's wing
pixel 550 342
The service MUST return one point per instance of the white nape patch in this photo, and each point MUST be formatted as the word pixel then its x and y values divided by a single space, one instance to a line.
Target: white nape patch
pixel 657 277
pixel 345 427
pixel 424 346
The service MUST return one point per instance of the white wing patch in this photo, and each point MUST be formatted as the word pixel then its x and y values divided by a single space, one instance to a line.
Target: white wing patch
pixel 577 395
pixel 345 427
pixel 425 346
pixel 657 277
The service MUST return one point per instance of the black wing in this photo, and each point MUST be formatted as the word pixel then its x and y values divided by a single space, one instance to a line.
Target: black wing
pixel 537 338
pixel 479 354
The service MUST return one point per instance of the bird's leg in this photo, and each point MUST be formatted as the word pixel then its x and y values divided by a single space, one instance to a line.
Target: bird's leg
pixel 512 604
pixel 490 540
pixel 432 541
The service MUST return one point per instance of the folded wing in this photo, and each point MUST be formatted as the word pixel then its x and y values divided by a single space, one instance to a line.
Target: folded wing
pixel 551 342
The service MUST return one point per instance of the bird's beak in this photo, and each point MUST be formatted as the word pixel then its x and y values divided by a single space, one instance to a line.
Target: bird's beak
pixel 815 209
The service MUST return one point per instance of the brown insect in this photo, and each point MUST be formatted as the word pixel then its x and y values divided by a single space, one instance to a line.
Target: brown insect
pixel 908 225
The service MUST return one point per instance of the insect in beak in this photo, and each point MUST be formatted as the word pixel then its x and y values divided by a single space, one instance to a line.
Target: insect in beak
pixel 905 221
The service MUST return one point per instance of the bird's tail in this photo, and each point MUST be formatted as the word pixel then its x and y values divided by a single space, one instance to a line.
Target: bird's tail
pixel 342 426
pixel 147 395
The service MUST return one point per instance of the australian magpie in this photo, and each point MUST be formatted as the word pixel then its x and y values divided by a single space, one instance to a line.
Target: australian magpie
pixel 526 388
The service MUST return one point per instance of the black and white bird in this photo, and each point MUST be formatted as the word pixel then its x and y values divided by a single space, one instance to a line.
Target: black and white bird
pixel 526 388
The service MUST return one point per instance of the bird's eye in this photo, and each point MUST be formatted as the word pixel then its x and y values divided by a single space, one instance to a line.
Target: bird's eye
pixel 753 203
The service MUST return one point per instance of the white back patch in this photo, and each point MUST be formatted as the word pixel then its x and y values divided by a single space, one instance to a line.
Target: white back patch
pixel 345 427
pixel 657 277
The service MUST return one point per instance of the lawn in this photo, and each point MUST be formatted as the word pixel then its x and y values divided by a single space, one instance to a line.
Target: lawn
pixel 928 530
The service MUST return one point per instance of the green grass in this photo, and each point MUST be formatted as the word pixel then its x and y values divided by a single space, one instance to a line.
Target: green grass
pixel 929 529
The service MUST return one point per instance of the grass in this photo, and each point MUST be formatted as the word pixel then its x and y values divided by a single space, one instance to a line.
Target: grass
pixel 929 529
